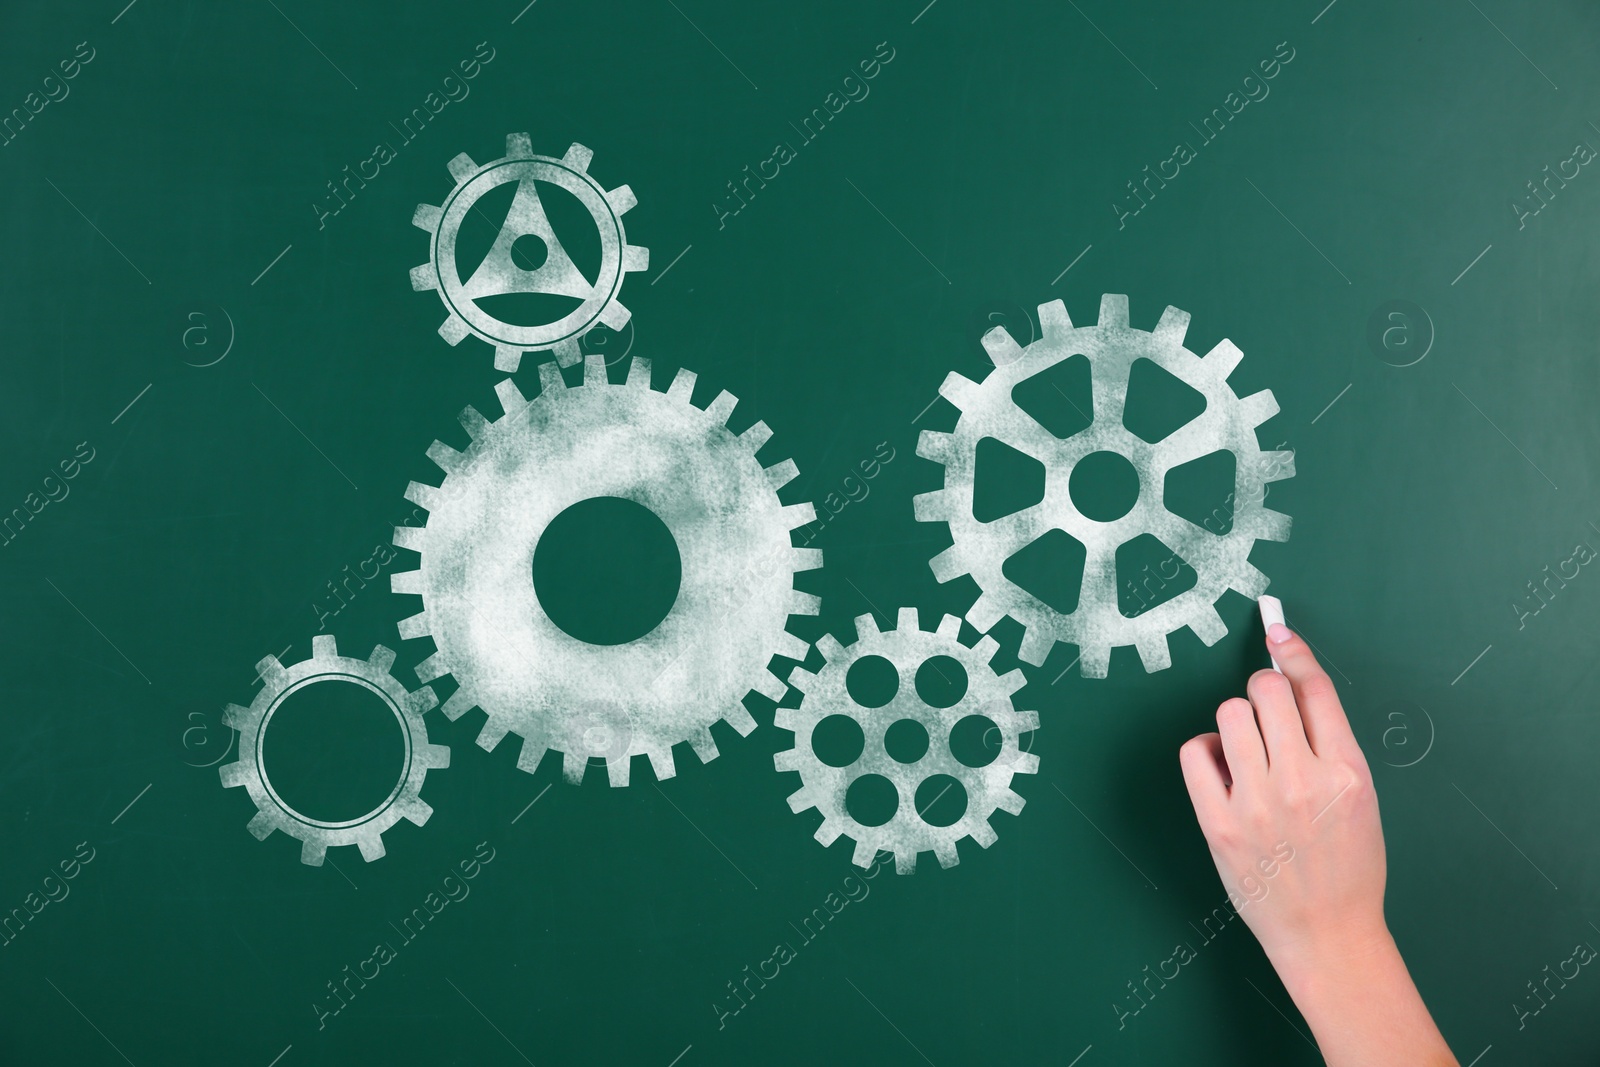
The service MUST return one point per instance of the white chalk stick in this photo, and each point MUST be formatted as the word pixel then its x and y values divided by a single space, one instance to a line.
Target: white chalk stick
pixel 1271 612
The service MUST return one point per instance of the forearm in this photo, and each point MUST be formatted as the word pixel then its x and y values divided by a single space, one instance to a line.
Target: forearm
pixel 1363 1007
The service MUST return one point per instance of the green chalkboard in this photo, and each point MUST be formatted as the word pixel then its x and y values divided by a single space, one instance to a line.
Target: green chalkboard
pixel 222 373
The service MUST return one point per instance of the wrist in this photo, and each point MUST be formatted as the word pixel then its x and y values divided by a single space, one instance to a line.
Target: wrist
pixel 1335 956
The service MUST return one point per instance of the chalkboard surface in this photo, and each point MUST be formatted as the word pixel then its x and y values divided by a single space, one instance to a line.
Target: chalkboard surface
pixel 220 381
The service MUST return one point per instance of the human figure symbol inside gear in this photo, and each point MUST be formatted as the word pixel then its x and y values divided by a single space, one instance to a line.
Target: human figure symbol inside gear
pixel 526 257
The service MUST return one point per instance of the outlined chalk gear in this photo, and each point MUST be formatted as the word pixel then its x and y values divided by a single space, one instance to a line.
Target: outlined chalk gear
pixel 1221 561
pixel 735 594
pixel 326 665
pixel 907 833
pixel 498 274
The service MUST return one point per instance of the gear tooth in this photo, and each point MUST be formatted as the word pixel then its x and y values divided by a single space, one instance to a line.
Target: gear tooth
pixel 639 372
pixel 757 435
pixel 423 700
pixel 906 619
pixel 800 800
pixel 1002 347
pixel 473 422
pixel 462 167
pixel 805 559
pixel 788 718
pixel 801 679
pixel 660 762
pixel 271 671
pixel 594 369
pixel 1053 318
pixel 614 315
pixel 435 757
pixel 1258 407
pixel 1114 310
pixel 945 852
pixel 905 861
pixel 1269 525
pixel 984 834
pixel 1153 652
pixel 529 755
pixel 568 353
pixel 798 515
pixel 510 397
pixel 427 217
pixel 866 626
pixel 1025 763
pixel 312 853
pixel 1093 661
pixel 577 158
pixel 424 278
pixel 738 718
pixel 414 627
pixel 949 564
pixel 423 495
pixel 371 846
pixel 682 387
pixel 803 603
pixel 234 717
pixel 415 811
pixel 864 855
pixel 704 745
pixel 409 537
pixel 1010 801
pixel 459 704
pixel 790 647
pixel 787 760
pixel 1027 721
pixel 444 457
pixel 1249 580
pixel 1012 682
pixel 620 769
pixel 550 379
pixel 1036 645
pixel 453 329
pixel 1173 326
pixel 572 767
pixel 986 648
pixel 433 667
pixel 507 358
pixel 826 834
pixel 1223 357
pixel 781 474
pixel 937 446
pixel 518 146
pixel 985 611
pixel 622 200
pixel 1276 466
pixel 720 408
pixel 935 506
pixel 262 825
pixel 830 648
pixel 960 390
pixel 382 658
pixel 493 732
pixel 635 258
pixel 949 627
pixel 770 685
pixel 233 774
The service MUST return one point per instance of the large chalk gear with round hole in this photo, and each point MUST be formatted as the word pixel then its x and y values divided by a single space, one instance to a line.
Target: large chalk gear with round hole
pixel 907 833
pixel 1221 561
pixel 499 274
pixel 326 665
pixel 735 595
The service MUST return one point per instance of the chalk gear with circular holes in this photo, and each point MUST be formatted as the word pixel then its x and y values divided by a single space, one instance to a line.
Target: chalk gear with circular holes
pixel 499 274
pixel 907 833
pixel 735 594
pixel 326 665
pixel 1096 625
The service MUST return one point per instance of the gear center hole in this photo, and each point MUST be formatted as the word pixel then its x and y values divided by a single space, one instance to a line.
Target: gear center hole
pixel 1104 486
pixel 529 251
pixel 331 750
pixel 607 570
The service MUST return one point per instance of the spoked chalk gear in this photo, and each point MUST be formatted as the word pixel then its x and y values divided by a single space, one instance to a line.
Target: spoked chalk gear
pixel 498 274
pixel 735 594
pixel 981 549
pixel 907 832
pixel 326 665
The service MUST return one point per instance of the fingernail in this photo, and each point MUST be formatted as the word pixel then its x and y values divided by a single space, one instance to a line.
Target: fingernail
pixel 1278 633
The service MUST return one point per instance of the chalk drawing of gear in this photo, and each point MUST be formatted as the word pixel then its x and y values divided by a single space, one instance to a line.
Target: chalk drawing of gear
pixel 906 833
pixel 981 549
pixel 499 274
pixel 576 443
pixel 326 665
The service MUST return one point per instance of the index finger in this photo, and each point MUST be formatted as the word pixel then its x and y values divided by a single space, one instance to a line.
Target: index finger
pixel 1327 727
